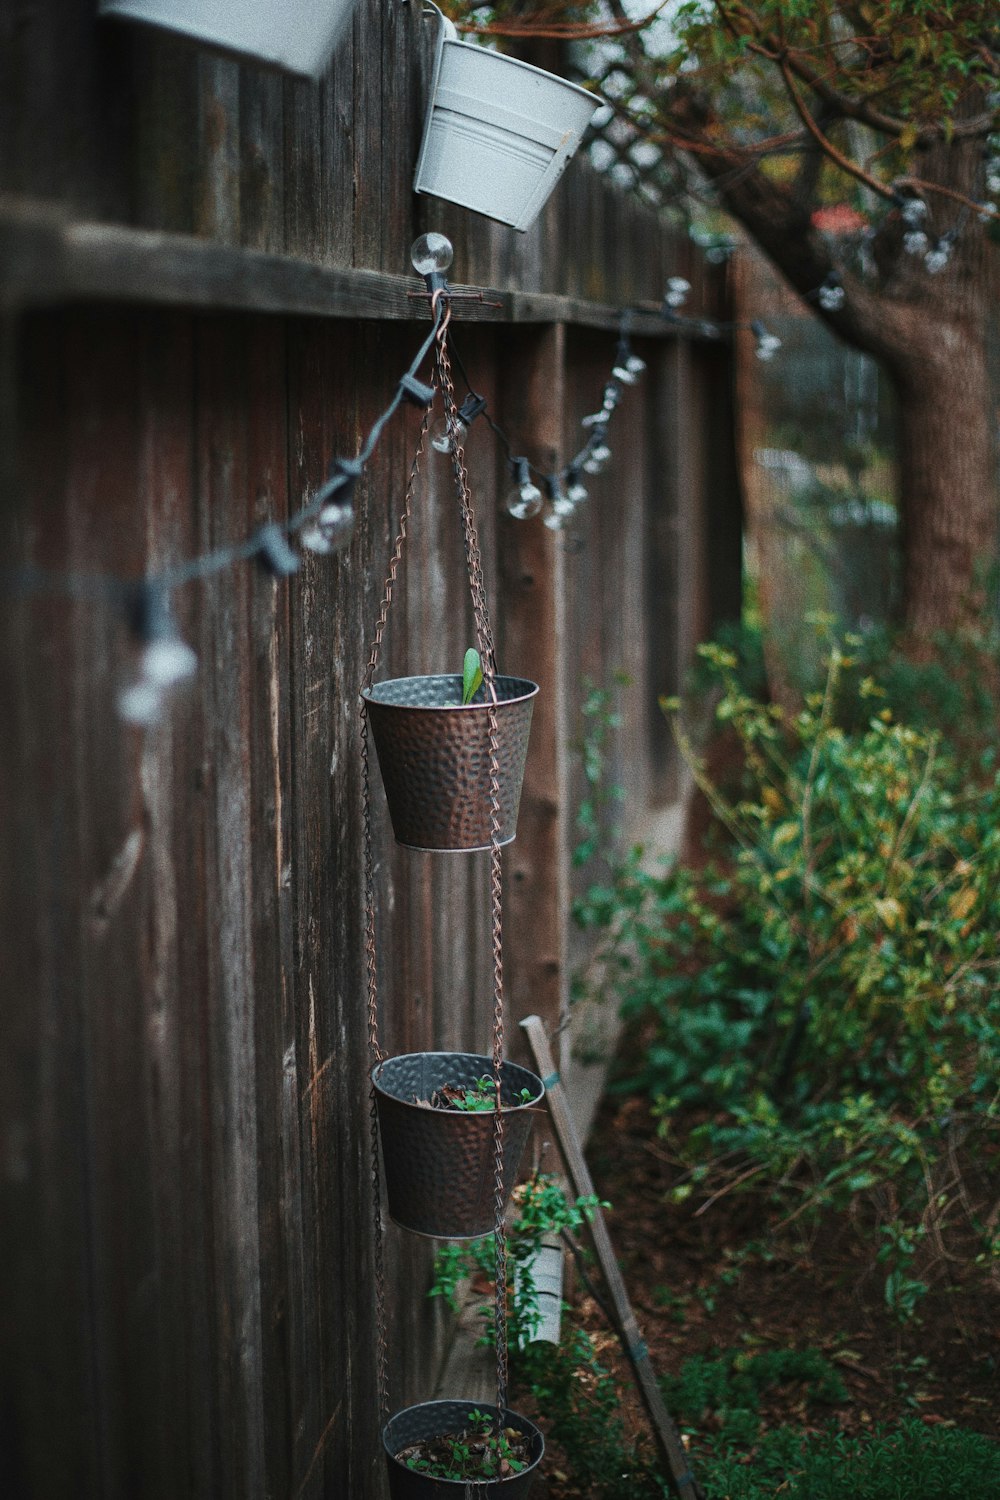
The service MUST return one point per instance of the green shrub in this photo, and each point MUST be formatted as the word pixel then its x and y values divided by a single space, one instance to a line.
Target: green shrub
pixel 904 1462
pixel 827 1002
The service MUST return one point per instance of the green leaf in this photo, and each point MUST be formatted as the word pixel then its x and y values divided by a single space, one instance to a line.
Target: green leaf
pixel 472 675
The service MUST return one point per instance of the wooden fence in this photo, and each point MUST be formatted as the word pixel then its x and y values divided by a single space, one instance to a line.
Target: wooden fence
pixel 202 301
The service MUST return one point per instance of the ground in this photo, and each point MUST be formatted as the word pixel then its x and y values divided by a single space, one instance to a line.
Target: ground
pixel 820 1290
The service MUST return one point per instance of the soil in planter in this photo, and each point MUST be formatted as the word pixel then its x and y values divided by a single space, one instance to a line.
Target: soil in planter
pixel 474 1452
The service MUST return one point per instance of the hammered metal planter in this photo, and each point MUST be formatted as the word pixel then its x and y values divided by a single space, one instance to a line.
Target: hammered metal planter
pixel 434 1419
pixel 439 1162
pixel 434 755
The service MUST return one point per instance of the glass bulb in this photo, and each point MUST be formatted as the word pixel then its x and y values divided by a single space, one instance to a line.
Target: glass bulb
pixel 331 530
pixel 443 435
pixel 576 493
pixel 597 459
pixel 768 345
pixel 624 374
pixel 915 242
pixel 832 296
pixel 635 364
pixel 936 260
pixel 678 289
pixel 914 212
pixel 167 661
pixel 431 252
pixel 524 501
pixel 596 419
pixel 141 703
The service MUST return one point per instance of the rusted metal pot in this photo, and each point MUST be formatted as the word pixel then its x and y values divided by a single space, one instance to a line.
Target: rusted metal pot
pixel 434 1419
pixel 439 1162
pixel 434 755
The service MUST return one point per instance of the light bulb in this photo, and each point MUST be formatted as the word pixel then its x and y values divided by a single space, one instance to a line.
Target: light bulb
pixel 678 290
pixel 431 252
pixel 141 703
pixel 915 242
pixel 768 344
pixel 444 434
pixel 166 661
pixel 575 491
pixel 832 295
pixel 935 260
pixel 914 212
pixel 596 419
pixel 625 375
pixel 635 365
pixel 331 530
pixel 524 501
pixel 597 459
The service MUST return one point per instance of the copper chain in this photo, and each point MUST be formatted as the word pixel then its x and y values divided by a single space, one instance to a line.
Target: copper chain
pixel 376 1054
pixel 488 654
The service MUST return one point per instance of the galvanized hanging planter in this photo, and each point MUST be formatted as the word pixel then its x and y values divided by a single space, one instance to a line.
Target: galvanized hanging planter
pixel 434 755
pixel 499 133
pixel 439 1163
pixel 297 35
pixel 434 1419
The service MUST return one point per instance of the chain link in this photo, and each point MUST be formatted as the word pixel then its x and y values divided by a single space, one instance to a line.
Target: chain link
pixel 488 654
pixel 376 1055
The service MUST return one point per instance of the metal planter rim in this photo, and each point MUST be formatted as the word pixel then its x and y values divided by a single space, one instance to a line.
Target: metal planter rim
pixel 432 1419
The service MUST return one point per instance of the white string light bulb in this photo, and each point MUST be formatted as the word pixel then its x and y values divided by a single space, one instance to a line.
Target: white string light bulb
pixel 575 492
pixel 331 530
pixel 831 295
pixel 444 434
pixel 677 292
pixel 167 661
pixel 525 499
pixel 431 253
pixel 915 242
pixel 561 506
pixel 767 344
pixel 598 457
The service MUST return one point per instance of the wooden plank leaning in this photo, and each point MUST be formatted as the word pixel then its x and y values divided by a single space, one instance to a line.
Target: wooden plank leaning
pixel 662 1424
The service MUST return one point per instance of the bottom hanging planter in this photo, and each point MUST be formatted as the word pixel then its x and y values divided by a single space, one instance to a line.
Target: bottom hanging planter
pixel 439 1162
pixel 415 1426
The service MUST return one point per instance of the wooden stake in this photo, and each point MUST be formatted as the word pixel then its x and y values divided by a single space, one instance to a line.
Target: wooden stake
pixel 664 1431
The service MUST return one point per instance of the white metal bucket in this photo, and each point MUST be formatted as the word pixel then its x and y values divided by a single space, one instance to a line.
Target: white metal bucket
pixel 499 133
pixel 298 35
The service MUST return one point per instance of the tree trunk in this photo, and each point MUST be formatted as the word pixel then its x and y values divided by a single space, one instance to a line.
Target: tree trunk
pixel 947 482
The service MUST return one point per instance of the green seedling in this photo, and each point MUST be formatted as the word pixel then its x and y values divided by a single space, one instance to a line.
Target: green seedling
pixel 472 675
pixel 473 1098
pixel 477 1452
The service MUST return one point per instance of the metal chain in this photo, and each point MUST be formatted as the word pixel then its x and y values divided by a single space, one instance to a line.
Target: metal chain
pixel 488 654
pixel 376 1054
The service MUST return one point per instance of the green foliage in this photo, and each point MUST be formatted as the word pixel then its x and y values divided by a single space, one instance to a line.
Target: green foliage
pixel 730 1386
pixel 827 1000
pixel 541 1208
pixel 903 1462
pixel 480 1097
pixel 472 675
pixel 477 1452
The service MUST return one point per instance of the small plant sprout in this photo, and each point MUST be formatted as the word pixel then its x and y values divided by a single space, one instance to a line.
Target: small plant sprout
pixel 472 675
pixel 481 1450
pixel 474 1098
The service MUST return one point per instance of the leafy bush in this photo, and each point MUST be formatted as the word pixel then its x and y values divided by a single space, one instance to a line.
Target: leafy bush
pixel 827 1002
pixel 902 1462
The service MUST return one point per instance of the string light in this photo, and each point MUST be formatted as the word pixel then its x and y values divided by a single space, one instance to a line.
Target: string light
pixel 767 344
pixel 525 499
pixel 677 292
pixel 831 295
pixel 561 506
